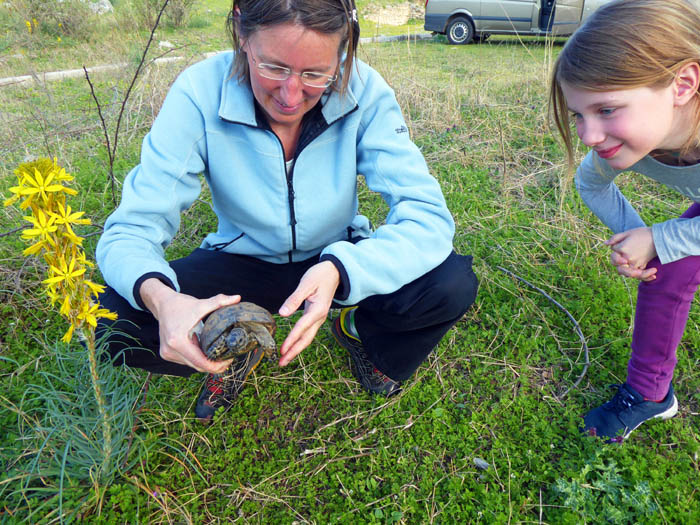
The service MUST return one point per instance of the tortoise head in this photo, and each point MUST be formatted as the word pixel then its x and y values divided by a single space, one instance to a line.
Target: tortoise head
pixel 236 340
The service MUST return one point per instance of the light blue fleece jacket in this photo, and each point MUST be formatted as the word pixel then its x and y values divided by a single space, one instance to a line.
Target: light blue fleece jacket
pixel 675 238
pixel 207 125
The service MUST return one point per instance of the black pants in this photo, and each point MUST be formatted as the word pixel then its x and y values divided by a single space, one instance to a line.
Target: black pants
pixel 398 330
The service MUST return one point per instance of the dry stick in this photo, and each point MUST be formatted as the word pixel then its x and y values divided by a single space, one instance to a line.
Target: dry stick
pixel 104 130
pixel 20 228
pixel 577 328
pixel 5 234
pixel 112 149
pixel 138 70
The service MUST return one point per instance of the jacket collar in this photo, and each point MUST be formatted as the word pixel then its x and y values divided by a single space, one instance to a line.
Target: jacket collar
pixel 237 103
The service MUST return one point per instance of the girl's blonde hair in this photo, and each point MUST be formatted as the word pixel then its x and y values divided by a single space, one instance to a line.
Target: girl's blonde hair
pixel 627 44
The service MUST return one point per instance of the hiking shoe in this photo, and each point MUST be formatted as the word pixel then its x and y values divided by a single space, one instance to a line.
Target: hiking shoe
pixel 364 371
pixel 628 409
pixel 221 389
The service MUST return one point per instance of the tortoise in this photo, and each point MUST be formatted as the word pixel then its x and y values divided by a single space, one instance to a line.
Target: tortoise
pixel 237 329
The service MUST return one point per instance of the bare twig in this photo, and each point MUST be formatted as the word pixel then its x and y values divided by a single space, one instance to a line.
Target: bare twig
pixel 19 228
pixel 112 145
pixel 163 56
pixel 577 328
pixel 136 74
pixel 104 130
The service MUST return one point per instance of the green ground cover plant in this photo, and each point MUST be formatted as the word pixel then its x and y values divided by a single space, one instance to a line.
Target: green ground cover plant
pixel 482 434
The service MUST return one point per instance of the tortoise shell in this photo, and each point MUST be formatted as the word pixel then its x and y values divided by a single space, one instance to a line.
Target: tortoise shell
pixel 237 329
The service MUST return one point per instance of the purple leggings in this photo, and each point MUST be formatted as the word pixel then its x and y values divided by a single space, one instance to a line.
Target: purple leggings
pixel 662 312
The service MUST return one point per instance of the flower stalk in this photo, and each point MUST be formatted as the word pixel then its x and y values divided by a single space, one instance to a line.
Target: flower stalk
pixel 42 191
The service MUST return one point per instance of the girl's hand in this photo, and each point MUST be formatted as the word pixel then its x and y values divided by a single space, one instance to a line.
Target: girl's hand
pixel 631 252
pixel 177 315
pixel 316 290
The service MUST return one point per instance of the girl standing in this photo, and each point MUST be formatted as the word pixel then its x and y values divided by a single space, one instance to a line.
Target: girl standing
pixel 629 79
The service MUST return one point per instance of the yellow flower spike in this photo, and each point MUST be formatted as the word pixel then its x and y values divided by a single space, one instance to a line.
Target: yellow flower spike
pixel 34 249
pixel 53 257
pixel 67 273
pixel 29 189
pixel 95 288
pixel 83 260
pixel 53 281
pixel 69 238
pixel 52 294
pixel 40 191
pixel 16 191
pixel 68 335
pixel 62 175
pixel 29 26
pixel 106 314
pixel 88 313
pixel 65 307
pixel 67 216
pixel 44 226
pixel 69 191
pixel 26 171
pixel 44 184
pixel 38 185
pixel 11 200
pixel 72 237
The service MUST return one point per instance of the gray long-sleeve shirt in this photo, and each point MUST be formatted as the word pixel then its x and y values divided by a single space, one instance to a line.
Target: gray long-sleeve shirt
pixel 675 238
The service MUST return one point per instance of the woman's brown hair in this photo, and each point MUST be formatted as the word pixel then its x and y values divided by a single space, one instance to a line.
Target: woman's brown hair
pixel 324 16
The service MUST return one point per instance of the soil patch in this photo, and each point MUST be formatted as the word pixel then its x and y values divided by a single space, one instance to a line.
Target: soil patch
pixel 395 14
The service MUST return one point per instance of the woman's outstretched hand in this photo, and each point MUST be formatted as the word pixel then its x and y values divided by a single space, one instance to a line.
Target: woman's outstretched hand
pixel 631 252
pixel 316 290
pixel 177 315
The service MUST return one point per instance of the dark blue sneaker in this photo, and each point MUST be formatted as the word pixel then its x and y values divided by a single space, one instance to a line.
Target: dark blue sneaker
pixel 364 371
pixel 617 418
pixel 220 390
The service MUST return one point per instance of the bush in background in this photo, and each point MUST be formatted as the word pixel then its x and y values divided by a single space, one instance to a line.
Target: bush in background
pixel 179 12
pixel 143 13
pixel 54 18
pixel 25 22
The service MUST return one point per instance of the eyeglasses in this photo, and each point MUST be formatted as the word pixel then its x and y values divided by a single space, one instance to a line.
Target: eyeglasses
pixel 312 79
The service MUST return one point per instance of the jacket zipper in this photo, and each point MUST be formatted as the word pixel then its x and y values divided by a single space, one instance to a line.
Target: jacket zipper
pixel 289 175
pixel 301 145
pixel 290 197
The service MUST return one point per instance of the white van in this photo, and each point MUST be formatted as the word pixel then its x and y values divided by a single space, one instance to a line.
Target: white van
pixel 466 20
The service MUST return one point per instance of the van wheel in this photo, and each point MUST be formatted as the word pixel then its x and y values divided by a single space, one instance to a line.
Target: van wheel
pixel 460 31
